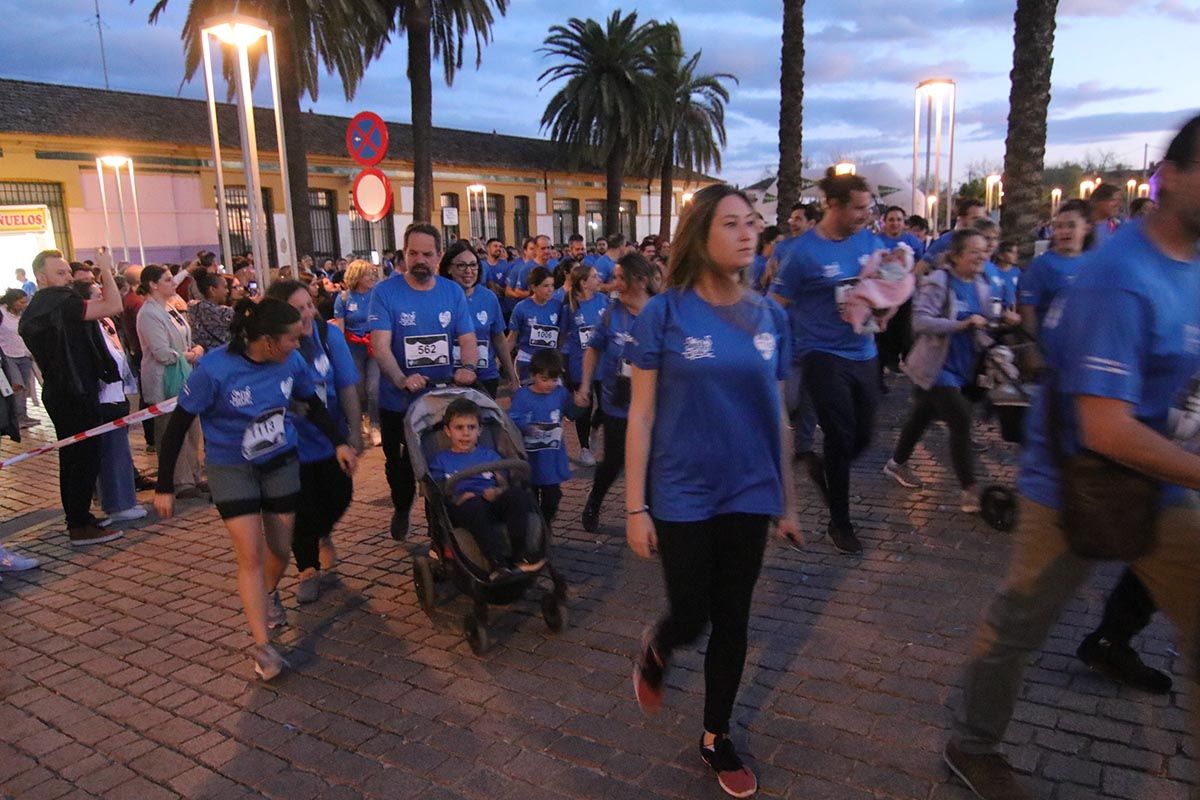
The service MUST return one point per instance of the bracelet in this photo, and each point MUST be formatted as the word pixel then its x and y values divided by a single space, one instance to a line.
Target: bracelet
pixel 636 511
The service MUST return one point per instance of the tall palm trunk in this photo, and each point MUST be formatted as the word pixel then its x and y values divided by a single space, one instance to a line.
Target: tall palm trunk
pixel 420 61
pixel 1029 99
pixel 293 138
pixel 791 108
pixel 667 191
pixel 615 178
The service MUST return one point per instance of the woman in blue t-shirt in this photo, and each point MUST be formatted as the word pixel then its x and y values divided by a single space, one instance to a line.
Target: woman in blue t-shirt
pixel 535 323
pixel 243 393
pixel 708 355
pixel 950 309
pixel 460 264
pixel 607 363
pixel 350 311
pixel 580 315
pixel 1055 269
pixel 325 488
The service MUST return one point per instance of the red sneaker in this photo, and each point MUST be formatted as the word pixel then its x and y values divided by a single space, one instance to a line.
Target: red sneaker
pixel 648 675
pixel 735 778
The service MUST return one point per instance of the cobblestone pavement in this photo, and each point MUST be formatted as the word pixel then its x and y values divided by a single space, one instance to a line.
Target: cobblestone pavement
pixel 124 672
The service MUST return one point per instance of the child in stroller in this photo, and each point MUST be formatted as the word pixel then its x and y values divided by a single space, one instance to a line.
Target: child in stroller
pixel 481 502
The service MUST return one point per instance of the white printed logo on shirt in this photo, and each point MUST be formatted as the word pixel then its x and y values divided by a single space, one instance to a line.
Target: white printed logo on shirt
pixel 285 386
pixel 1183 419
pixel 554 317
pixel 444 318
pixel 697 347
pixel 408 319
pixel 764 343
pixel 832 270
pixel 482 316
pixel 240 398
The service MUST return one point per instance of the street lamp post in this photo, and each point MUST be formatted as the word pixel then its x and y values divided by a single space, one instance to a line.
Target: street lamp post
pixel 116 163
pixel 478 193
pixel 1086 188
pixel 1055 200
pixel 992 191
pixel 936 94
pixel 1130 192
pixel 242 32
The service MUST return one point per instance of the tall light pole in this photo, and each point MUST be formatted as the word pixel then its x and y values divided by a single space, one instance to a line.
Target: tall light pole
pixel 937 95
pixel 1055 200
pixel 992 190
pixel 116 163
pixel 478 193
pixel 1086 188
pixel 241 32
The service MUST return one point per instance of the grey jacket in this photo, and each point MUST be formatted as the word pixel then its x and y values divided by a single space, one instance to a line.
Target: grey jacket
pixel 163 341
pixel 933 324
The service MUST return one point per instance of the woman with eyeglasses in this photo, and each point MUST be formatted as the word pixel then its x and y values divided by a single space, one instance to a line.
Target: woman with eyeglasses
pixel 461 264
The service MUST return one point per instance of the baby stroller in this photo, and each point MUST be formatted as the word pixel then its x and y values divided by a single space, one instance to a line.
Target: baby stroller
pixel 1007 391
pixel 453 552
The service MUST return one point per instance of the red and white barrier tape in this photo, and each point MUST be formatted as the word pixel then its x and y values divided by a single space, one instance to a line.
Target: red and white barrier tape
pixel 156 410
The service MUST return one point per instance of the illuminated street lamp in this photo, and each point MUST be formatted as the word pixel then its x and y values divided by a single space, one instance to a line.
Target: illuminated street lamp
pixel 1055 200
pixel 843 168
pixel 993 189
pixel 936 95
pixel 1130 191
pixel 479 192
pixel 1143 190
pixel 116 163
pixel 1086 187
pixel 686 198
pixel 241 32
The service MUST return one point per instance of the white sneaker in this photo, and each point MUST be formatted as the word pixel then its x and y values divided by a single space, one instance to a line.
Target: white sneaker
pixel 586 459
pixel 11 562
pixel 376 437
pixel 131 513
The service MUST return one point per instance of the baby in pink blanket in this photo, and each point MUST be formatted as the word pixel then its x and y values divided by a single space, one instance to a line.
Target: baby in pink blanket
pixel 885 283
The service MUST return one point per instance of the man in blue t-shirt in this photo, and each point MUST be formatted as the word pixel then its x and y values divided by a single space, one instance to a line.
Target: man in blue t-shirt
pixel 1123 345
pixel 416 319
pixel 516 287
pixel 495 267
pixel 837 365
pixel 966 211
pixel 602 261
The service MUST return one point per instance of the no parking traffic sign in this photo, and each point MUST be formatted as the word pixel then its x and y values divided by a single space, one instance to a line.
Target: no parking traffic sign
pixel 367 139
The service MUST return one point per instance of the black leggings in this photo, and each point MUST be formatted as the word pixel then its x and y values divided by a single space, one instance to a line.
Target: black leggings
pixel 483 518
pixel 325 494
pixel 710 569
pixel 614 458
pixel 591 418
pixel 547 498
pixel 950 405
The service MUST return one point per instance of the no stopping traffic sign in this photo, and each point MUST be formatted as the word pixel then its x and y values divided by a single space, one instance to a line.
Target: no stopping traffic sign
pixel 367 139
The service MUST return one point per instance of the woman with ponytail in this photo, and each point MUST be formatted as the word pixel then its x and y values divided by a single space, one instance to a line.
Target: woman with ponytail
pixel 581 314
pixel 243 394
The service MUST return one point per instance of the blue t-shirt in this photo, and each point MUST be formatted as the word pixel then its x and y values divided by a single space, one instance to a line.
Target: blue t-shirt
pixel 918 247
pixel 938 246
pixel 330 368
pixel 814 276
pixel 577 329
pixel 447 462
pixel 540 420
pixel 245 407
pixel 537 327
pixel 1003 283
pixel 354 309
pixel 1044 278
pixel 511 274
pixel 518 276
pixel 1129 329
pixel 959 367
pixel 757 270
pixel 715 448
pixel 613 370
pixel 489 322
pixel 424 325
pixel 29 287
pixel 604 267
pixel 495 273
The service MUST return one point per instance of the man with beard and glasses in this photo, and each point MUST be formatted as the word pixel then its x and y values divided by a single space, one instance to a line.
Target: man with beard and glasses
pixel 416 319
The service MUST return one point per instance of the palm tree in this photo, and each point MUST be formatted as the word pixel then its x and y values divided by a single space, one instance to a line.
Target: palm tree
pixel 435 29
pixel 306 34
pixel 605 109
pixel 690 124
pixel 791 108
pixel 1029 99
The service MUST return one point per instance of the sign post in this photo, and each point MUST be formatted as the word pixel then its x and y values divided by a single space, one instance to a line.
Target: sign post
pixel 367 143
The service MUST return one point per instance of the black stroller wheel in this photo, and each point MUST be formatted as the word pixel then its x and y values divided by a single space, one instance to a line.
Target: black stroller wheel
pixel 999 507
pixel 554 612
pixel 476 633
pixel 423 583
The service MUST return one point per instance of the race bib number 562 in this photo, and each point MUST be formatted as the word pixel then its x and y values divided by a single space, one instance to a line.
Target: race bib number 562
pixel 432 350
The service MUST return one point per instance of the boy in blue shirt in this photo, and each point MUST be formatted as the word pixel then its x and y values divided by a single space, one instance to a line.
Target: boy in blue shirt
pixel 538 409
pixel 481 503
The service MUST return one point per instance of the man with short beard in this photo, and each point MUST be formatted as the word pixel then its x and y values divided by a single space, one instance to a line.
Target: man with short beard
pixel 415 321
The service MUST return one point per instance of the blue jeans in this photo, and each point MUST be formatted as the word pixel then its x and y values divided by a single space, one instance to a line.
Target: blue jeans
pixel 117 491
pixel 368 382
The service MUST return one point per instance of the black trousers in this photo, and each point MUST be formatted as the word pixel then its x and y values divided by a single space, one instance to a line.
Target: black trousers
pixel 396 466
pixel 710 569
pixel 547 498
pixel 78 464
pixel 1128 610
pixel 845 394
pixel 483 518
pixel 613 462
pixel 950 405
pixel 325 494
pixel 591 418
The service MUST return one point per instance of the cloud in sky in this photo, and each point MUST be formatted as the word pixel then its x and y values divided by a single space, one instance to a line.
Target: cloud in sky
pixel 863 58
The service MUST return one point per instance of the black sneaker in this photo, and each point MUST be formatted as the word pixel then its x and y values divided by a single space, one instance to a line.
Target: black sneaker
pixel 1122 663
pixel 988 775
pixel 735 778
pixel 591 514
pixel 843 539
pixel 399 526
pixel 648 674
